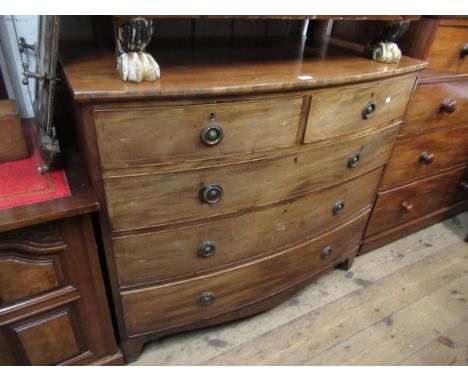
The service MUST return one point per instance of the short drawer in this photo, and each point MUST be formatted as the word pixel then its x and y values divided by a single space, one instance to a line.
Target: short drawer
pixel 154 199
pixel 150 257
pixel 403 204
pixel 180 133
pixel 448 51
pixel 415 157
pixel 437 105
pixel 172 305
pixel 339 112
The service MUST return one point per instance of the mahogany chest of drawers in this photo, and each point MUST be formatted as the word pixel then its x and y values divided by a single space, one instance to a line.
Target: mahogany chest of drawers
pixel 426 179
pixel 226 186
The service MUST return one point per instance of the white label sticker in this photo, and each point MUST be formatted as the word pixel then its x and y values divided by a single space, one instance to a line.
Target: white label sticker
pixel 388 99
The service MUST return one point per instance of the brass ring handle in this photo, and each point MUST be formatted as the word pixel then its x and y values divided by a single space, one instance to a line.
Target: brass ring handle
pixel 211 135
pixel 338 207
pixel 369 110
pixel 464 185
pixel 448 106
pixel 212 194
pixel 327 251
pixel 407 207
pixel 206 298
pixel 353 160
pixel 206 249
pixel 426 158
pixel 464 51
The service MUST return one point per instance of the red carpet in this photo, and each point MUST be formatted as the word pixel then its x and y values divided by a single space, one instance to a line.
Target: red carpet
pixel 21 183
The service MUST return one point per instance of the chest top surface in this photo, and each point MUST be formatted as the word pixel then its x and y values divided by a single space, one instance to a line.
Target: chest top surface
pixel 204 67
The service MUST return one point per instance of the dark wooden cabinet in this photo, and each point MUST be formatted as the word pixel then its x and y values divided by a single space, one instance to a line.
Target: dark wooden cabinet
pixel 53 305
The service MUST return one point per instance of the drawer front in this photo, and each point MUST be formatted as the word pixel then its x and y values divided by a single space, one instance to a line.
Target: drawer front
pixel 446 52
pixel 173 134
pixel 155 199
pixel 425 154
pixel 417 199
pixel 32 262
pixel 150 257
pixel 349 110
pixel 172 305
pixel 437 105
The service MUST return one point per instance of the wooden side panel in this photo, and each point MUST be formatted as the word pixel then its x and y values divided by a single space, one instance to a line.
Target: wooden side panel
pixel 426 110
pixel 421 198
pixel 173 134
pixel 445 52
pixel 341 112
pixel 151 257
pixel 12 140
pixel 448 147
pixel 154 199
pixel 172 305
pixel 48 339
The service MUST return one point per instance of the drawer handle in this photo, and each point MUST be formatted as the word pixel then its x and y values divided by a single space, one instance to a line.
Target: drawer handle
pixel 464 51
pixel 464 185
pixel 212 194
pixel 353 160
pixel 369 110
pixel 338 207
pixel 407 207
pixel 448 106
pixel 211 135
pixel 207 249
pixel 206 298
pixel 327 251
pixel 426 158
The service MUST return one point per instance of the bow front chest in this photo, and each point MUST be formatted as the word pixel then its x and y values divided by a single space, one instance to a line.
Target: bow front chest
pixel 247 170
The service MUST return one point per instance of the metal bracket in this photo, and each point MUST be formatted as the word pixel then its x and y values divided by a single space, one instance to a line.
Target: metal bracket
pixel 23 45
pixel 38 76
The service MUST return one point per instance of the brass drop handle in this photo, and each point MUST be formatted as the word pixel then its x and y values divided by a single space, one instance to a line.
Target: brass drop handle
pixel 211 135
pixel 407 207
pixel 327 251
pixel 206 298
pixel 353 160
pixel 448 106
pixel 426 158
pixel 464 185
pixel 369 110
pixel 212 194
pixel 206 249
pixel 338 207
pixel 464 51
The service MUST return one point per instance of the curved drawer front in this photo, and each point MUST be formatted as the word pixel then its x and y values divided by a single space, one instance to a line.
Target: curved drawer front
pixel 32 263
pixel 340 112
pixel 448 51
pixel 170 305
pixel 154 199
pixel 437 105
pixel 167 254
pixel 417 199
pixel 174 134
pixel 415 157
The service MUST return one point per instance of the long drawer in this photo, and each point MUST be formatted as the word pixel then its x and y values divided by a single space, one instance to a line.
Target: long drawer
pixel 167 254
pixel 415 157
pixel 172 305
pixel 403 204
pixel 155 199
pixel 178 133
pixel 334 113
pixel 437 105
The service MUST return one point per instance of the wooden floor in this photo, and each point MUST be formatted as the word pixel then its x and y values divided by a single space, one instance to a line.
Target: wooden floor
pixel 403 304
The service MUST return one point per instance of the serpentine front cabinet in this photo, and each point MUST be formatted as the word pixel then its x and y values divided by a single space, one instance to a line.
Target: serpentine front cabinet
pixel 247 170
